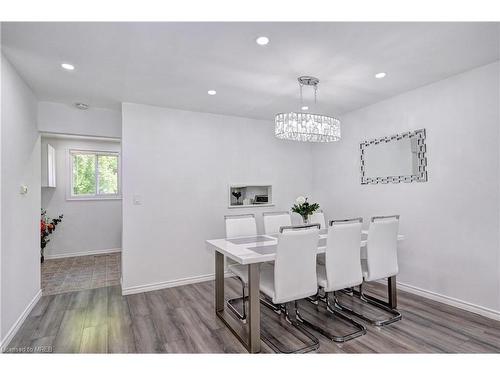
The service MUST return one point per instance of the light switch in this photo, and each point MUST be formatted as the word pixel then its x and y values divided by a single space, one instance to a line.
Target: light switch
pixel 23 190
pixel 137 199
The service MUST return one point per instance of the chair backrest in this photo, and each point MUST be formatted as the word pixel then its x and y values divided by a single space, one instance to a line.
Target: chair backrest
pixel 382 247
pixel 343 254
pixel 318 218
pixel 295 264
pixel 273 221
pixel 240 225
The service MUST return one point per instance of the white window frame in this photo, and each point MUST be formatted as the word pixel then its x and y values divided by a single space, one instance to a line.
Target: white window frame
pixel 96 196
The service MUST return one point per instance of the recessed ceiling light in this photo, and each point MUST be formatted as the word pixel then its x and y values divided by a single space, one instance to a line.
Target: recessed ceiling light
pixel 67 66
pixel 380 75
pixel 211 92
pixel 305 108
pixel 262 40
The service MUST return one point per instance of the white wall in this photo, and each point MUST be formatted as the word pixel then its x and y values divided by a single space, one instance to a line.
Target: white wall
pixel 1 257
pixel 66 119
pixel 89 226
pixel 451 222
pixel 20 165
pixel 180 164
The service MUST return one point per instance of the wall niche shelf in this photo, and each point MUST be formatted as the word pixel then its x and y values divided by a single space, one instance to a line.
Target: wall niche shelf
pixel 250 195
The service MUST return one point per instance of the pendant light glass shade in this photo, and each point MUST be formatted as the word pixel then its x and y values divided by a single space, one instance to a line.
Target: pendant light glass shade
pixel 307 127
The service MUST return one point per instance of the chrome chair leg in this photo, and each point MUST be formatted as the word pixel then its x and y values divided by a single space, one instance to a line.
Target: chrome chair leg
pixel 360 329
pixel 316 298
pixel 374 302
pixel 348 291
pixel 293 320
pixel 243 315
pixel 276 308
pixel 230 303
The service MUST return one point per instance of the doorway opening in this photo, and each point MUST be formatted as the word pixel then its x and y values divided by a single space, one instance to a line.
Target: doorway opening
pixel 81 213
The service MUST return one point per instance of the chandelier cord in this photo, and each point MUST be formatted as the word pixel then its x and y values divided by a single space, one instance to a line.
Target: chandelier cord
pixel 315 86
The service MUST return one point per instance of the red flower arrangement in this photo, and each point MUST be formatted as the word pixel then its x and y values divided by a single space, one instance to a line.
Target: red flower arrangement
pixel 47 226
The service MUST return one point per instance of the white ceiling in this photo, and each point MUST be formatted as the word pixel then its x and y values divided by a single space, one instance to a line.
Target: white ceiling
pixel 174 64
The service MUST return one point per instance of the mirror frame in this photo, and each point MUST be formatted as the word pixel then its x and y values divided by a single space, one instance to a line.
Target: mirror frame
pixel 421 176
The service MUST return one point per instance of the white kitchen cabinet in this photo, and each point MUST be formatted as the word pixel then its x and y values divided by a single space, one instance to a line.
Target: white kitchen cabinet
pixel 49 167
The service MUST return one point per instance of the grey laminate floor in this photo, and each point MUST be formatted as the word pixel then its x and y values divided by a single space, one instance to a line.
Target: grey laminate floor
pixel 182 320
pixel 77 273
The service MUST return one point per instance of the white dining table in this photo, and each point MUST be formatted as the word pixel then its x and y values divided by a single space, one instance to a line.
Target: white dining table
pixel 252 251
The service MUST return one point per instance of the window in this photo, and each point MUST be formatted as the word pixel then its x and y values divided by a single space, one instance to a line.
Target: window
pixel 94 174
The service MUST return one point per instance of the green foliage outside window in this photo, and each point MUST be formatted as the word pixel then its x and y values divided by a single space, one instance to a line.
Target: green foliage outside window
pixel 84 174
pixel 108 174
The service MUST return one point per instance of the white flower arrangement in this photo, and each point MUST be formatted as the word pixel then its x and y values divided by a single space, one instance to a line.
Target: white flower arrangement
pixel 300 200
pixel 304 208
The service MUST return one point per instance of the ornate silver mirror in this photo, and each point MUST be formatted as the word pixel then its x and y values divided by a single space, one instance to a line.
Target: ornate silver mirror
pixel 397 158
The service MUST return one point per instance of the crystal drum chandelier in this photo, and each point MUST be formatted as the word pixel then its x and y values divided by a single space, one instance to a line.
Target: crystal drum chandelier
pixel 307 127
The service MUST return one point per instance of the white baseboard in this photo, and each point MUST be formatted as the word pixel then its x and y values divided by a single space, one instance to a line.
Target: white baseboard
pixel 82 253
pixel 19 322
pixel 467 306
pixel 170 284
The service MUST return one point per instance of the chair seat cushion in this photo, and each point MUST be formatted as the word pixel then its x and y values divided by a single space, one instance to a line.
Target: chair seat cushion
pixel 241 270
pixel 364 269
pixel 267 284
pixel 323 281
pixel 267 281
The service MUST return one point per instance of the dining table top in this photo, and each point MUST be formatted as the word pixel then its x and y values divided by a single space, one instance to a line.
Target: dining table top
pixel 262 247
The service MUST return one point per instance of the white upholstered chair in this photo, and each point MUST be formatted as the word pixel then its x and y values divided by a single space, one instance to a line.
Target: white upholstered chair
pixel 318 218
pixel 342 269
pixel 381 262
pixel 273 221
pixel 239 226
pixel 293 276
pixel 382 248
